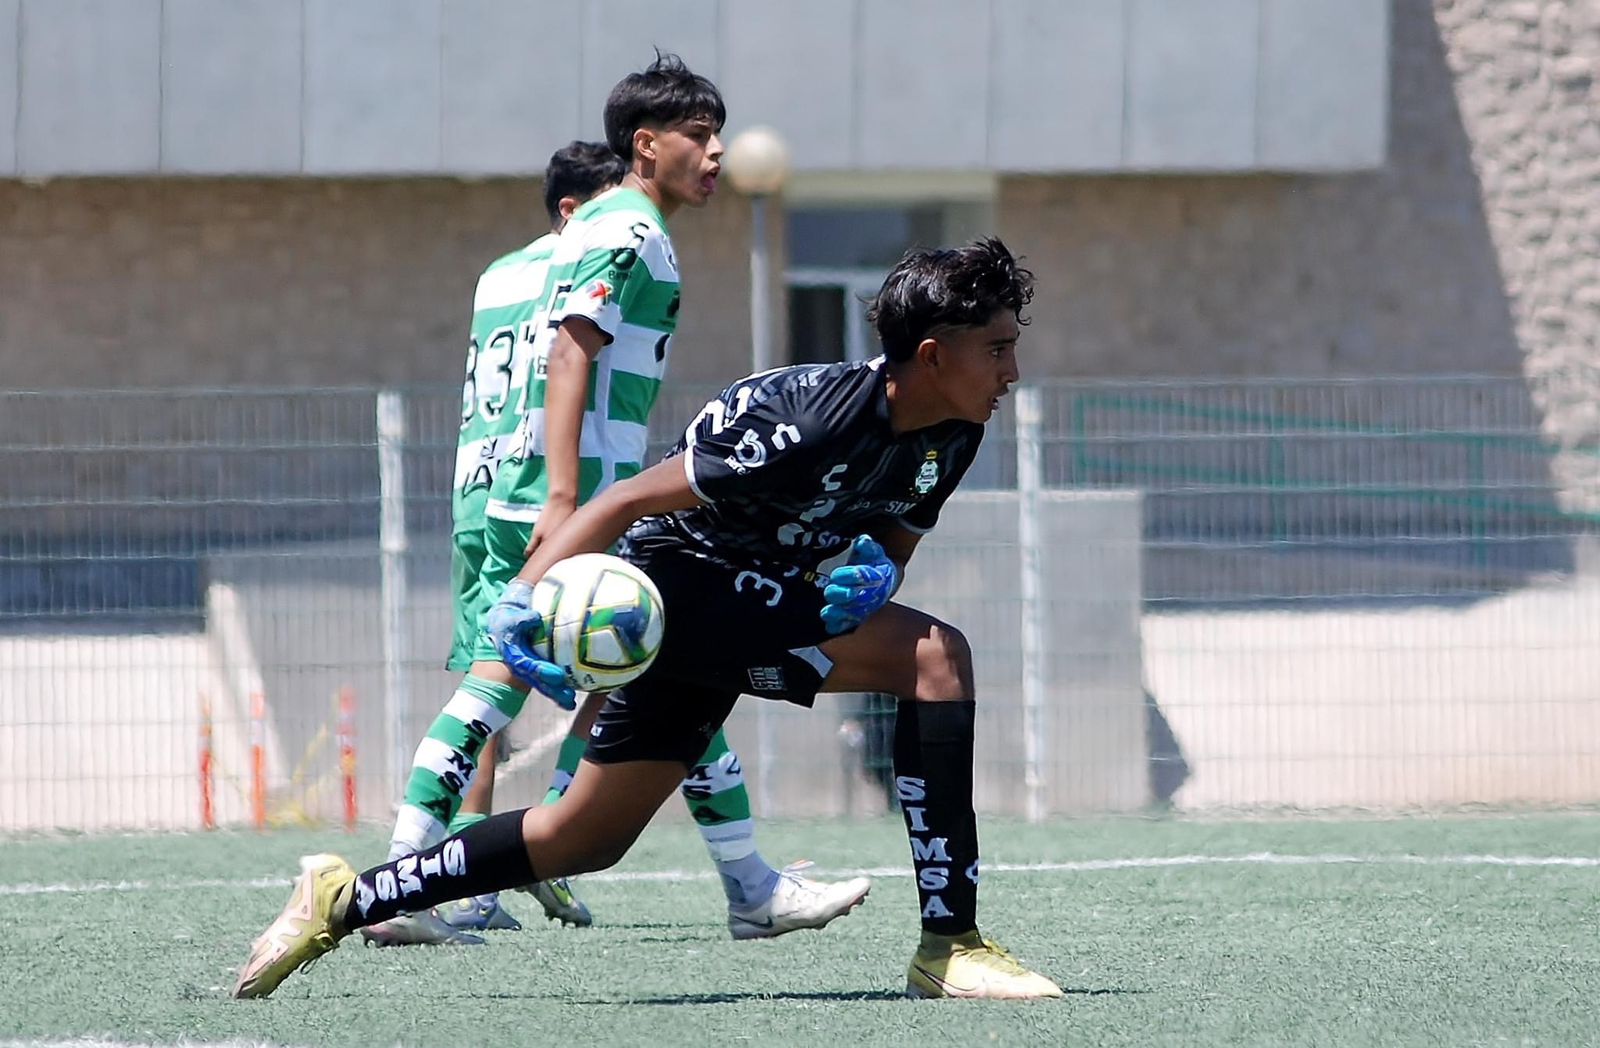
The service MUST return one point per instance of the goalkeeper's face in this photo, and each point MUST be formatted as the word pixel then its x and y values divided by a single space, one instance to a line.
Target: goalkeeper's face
pixel 975 366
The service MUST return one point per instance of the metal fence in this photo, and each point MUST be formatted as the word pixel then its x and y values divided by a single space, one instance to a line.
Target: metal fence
pixel 231 607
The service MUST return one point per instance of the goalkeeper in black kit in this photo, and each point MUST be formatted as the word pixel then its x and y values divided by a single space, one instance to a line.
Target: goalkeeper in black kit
pixel 777 532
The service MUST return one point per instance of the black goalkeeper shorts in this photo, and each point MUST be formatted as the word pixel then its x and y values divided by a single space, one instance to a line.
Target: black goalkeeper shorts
pixel 730 631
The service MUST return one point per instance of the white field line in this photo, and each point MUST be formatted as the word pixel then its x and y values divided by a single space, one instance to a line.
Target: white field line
pixel 1081 866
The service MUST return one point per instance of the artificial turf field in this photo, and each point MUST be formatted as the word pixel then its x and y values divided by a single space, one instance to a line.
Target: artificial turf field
pixel 1461 930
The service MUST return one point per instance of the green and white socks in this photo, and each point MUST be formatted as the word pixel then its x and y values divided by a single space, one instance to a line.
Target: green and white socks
pixel 447 760
pixel 720 803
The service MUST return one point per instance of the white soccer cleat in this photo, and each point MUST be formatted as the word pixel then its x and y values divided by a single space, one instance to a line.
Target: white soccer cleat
pixel 797 902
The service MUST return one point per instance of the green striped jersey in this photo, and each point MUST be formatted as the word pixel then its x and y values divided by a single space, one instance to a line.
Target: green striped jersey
pixel 614 266
pixel 506 315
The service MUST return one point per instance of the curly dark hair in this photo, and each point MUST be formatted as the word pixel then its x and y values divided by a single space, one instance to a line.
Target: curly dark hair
pixel 929 289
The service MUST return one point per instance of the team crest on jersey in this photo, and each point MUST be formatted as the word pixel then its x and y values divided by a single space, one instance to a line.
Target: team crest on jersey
pixel 598 290
pixel 928 474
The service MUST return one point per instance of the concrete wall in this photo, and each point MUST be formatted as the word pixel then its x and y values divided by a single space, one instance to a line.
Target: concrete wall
pixel 491 87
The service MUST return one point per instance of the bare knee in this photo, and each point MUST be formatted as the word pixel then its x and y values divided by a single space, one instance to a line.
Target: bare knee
pixel 944 665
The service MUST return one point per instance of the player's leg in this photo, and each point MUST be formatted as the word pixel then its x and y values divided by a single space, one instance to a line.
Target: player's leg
pixel 589 829
pixel 637 757
pixel 573 746
pixel 427 807
pixel 480 912
pixel 763 902
pixel 504 543
pixel 715 793
pixel 469 550
pixel 928 664
pixel 556 896
pixel 488 698
pixel 444 766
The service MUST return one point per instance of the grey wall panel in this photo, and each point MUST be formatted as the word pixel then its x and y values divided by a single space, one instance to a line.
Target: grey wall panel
pixel 10 16
pixel 1056 85
pixel 90 87
pixel 619 37
pixel 231 86
pixel 372 86
pixel 922 88
pixel 1192 84
pixel 511 84
pixel 792 67
pixel 1324 94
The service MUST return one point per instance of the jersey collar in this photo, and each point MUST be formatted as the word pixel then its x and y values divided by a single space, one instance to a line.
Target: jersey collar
pixel 639 200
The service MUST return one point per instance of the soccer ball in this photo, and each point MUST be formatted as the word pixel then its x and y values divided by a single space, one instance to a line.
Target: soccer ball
pixel 602 620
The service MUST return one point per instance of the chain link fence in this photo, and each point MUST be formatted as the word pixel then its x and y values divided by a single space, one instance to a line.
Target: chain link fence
pixel 1320 594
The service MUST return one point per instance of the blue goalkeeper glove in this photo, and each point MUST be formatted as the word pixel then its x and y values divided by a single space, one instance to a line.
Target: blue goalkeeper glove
pixel 514 627
pixel 859 587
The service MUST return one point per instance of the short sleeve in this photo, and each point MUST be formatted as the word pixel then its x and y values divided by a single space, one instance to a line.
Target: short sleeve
pixel 769 447
pixel 922 517
pixel 615 259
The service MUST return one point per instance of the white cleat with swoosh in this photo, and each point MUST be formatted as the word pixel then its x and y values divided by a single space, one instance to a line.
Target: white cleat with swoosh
pixel 797 902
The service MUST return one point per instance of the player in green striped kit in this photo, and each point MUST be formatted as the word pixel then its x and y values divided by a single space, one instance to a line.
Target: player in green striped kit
pixel 508 310
pixel 599 350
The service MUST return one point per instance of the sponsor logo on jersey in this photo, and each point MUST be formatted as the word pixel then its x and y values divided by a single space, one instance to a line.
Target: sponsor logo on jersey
pixel 928 474
pixel 598 290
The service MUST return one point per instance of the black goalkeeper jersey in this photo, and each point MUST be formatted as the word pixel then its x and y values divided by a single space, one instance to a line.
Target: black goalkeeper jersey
pixel 793 464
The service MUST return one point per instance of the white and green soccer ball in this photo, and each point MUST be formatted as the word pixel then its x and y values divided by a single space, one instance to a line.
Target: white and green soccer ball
pixel 603 620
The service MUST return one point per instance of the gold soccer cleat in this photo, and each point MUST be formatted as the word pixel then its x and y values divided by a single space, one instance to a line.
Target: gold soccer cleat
pixel 972 966
pixel 305 930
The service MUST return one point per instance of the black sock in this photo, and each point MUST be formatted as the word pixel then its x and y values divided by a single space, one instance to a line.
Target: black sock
pixel 933 779
pixel 486 856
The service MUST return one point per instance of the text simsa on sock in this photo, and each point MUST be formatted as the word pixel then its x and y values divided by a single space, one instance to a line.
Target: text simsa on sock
pixel 933 779
pixel 485 857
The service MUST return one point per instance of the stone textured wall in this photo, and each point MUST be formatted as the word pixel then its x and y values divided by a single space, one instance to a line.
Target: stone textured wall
pixel 152 283
pixel 1525 74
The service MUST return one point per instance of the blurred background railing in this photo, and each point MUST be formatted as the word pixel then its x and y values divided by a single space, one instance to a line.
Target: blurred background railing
pixel 1375 593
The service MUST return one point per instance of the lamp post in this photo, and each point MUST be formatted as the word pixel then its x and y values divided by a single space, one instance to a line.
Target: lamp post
pixel 757 163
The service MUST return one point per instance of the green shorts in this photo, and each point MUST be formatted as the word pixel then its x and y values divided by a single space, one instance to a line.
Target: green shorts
pixel 466 604
pixel 503 543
